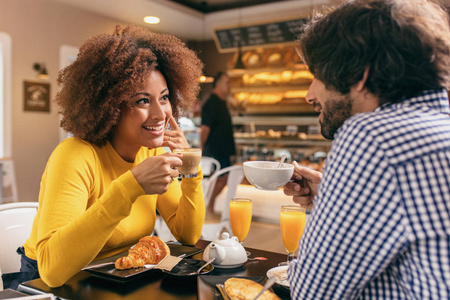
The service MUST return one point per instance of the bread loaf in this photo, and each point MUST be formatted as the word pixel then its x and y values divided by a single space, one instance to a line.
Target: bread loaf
pixel 246 289
pixel 149 250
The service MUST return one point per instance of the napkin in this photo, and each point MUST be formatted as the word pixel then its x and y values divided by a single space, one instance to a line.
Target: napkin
pixel 168 263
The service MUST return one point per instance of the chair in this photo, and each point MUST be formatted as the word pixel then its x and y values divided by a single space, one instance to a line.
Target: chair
pixel 209 166
pixel 211 231
pixel 162 230
pixel 8 188
pixel 16 220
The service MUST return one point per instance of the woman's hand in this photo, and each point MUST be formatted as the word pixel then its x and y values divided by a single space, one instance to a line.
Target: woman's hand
pixel 174 138
pixel 304 187
pixel 156 173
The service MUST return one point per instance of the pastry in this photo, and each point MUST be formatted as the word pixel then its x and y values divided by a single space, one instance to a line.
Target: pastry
pixel 246 289
pixel 149 250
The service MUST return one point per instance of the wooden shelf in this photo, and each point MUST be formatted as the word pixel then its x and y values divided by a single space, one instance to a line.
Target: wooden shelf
pixel 282 141
pixel 276 120
pixel 296 67
pixel 269 89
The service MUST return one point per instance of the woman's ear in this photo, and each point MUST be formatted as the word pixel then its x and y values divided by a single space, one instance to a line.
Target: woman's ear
pixel 359 86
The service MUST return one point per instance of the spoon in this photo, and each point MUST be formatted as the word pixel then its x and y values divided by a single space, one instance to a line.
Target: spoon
pixel 267 286
pixel 202 267
pixel 283 158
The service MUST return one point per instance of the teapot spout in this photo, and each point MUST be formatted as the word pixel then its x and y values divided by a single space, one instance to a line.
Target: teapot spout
pixel 218 252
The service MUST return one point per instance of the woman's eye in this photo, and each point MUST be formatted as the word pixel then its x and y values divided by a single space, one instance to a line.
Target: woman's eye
pixel 142 101
pixel 165 98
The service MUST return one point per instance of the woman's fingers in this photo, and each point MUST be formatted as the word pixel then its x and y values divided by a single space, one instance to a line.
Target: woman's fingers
pixel 174 138
pixel 173 124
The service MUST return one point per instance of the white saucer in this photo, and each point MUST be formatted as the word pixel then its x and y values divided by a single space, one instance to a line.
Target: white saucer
pixel 278 272
pixel 228 266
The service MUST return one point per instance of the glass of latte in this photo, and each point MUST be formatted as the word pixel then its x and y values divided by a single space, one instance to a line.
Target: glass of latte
pixel 191 159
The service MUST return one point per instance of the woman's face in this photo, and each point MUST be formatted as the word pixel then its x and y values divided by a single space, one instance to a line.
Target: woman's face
pixel 144 124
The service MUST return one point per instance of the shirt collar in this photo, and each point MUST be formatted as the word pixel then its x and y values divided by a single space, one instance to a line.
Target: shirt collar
pixel 434 99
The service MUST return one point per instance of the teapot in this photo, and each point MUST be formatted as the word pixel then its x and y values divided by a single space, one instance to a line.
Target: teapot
pixel 229 253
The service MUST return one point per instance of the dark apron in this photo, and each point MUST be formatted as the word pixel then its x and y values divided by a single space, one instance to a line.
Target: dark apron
pixel 28 271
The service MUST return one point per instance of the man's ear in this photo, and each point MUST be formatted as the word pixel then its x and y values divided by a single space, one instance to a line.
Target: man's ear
pixel 359 86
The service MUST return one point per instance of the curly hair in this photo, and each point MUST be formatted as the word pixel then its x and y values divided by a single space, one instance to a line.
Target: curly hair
pixel 405 45
pixel 97 87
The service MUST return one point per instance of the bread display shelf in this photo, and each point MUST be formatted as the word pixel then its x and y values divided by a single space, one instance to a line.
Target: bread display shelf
pixel 296 67
pixel 276 120
pixel 281 108
pixel 283 141
pixel 269 89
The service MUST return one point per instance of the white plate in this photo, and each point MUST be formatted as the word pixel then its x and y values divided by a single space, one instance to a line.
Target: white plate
pixel 279 272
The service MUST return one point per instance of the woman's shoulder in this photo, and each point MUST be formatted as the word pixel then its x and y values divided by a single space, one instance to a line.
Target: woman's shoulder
pixel 74 149
pixel 74 144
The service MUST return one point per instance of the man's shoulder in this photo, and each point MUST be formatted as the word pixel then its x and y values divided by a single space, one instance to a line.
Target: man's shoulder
pixel 397 132
pixel 213 98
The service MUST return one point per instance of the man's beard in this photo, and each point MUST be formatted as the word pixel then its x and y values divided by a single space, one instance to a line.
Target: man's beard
pixel 336 110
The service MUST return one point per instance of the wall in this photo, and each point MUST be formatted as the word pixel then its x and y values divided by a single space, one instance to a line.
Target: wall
pixel 38 28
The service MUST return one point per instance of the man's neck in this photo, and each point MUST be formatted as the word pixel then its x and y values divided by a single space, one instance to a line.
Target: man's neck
pixel 220 96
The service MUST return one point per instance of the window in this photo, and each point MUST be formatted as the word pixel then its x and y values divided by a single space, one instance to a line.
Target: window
pixel 67 55
pixel 5 95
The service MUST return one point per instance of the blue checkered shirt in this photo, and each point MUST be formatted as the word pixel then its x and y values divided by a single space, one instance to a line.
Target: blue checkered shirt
pixel 380 227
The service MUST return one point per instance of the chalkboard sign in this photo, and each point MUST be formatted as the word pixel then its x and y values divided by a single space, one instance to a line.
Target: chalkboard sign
pixel 257 36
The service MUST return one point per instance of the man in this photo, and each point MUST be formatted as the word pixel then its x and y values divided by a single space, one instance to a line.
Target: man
pixel 380 225
pixel 216 131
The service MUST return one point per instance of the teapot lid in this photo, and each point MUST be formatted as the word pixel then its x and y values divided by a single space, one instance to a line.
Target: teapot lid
pixel 225 240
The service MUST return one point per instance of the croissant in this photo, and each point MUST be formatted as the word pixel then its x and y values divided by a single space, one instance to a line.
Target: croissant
pixel 149 250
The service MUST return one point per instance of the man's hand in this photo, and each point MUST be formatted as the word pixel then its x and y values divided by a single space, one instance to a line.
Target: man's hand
pixel 304 187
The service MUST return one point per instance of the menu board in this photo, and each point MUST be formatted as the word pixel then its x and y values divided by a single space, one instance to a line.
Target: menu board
pixel 257 36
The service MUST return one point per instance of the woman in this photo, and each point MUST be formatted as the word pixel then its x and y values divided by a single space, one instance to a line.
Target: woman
pixel 101 188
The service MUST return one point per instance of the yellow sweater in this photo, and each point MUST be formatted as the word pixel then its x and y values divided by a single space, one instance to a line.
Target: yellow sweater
pixel 91 207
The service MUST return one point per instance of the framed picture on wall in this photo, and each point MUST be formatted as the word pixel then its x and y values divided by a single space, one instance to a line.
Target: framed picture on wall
pixel 36 96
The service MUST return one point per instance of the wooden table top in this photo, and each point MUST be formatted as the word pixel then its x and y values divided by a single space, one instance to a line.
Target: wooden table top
pixel 158 285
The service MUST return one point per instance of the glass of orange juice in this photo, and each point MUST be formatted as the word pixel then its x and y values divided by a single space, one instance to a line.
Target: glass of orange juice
pixel 240 217
pixel 292 224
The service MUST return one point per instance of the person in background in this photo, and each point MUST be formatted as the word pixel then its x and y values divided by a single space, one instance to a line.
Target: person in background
pixel 101 188
pixel 216 131
pixel 380 221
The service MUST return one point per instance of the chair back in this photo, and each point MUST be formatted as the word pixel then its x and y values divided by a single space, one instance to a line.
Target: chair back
pixel 16 220
pixel 235 175
pixel 209 165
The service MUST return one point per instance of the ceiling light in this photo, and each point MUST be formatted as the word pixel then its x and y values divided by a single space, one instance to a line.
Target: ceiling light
pixel 206 79
pixel 151 20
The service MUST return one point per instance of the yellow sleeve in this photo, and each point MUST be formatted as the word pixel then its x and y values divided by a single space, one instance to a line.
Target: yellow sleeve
pixel 71 231
pixel 183 209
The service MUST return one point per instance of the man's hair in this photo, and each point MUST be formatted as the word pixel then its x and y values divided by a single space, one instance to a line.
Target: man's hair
pixel 217 78
pixel 405 44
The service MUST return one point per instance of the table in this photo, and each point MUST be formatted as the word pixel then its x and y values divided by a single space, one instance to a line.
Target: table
pixel 155 285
